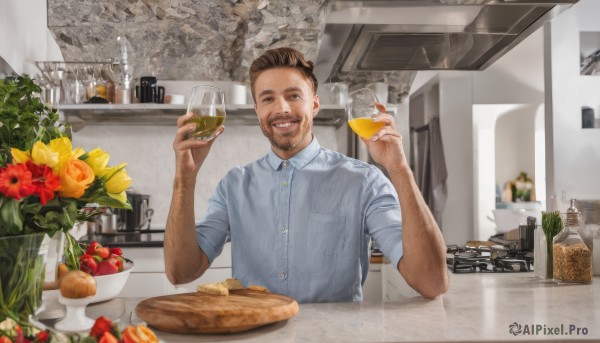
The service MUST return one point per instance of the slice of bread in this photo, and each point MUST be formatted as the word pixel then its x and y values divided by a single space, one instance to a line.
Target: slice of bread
pixel 233 284
pixel 258 288
pixel 217 288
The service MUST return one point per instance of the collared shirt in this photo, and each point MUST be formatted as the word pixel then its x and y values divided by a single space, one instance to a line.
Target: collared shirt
pixel 302 227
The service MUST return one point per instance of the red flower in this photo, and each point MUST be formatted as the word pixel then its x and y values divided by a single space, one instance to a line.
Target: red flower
pixel 45 181
pixel 15 181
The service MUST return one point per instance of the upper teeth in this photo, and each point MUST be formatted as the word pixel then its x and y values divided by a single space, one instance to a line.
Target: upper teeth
pixel 283 124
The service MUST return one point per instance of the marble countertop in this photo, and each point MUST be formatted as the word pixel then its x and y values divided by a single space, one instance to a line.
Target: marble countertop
pixel 478 307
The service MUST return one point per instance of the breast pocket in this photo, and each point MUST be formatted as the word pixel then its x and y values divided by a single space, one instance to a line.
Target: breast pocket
pixel 327 233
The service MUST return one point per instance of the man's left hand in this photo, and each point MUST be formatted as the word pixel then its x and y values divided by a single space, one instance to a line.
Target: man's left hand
pixel 385 146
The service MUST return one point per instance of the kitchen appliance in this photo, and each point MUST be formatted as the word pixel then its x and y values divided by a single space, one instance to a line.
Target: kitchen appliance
pixel 488 259
pixel 526 235
pixel 149 91
pixel 107 223
pixel 415 35
pixel 141 213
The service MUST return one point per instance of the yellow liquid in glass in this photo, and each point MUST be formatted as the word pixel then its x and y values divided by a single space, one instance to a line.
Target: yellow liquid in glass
pixel 205 126
pixel 365 127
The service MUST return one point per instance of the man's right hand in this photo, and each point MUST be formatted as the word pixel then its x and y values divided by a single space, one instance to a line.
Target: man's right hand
pixel 190 153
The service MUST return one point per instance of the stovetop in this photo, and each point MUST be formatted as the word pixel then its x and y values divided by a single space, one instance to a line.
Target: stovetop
pixel 488 259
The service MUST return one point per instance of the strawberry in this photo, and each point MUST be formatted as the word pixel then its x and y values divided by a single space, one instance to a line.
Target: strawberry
pixel 102 252
pixel 101 325
pixel 119 261
pixel 120 265
pixel 92 247
pixel 108 267
pixel 20 338
pixel 107 337
pixel 88 264
pixel 41 337
pixel 116 251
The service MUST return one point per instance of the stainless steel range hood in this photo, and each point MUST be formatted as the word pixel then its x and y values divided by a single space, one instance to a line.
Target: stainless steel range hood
pixel 427 34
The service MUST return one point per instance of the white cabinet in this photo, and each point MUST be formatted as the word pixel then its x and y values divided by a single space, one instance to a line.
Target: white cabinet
pixel 148 278
pixel 372 290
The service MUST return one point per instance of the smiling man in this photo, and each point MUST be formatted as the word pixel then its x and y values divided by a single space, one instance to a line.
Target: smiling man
pixel 285 104
pixel 301 219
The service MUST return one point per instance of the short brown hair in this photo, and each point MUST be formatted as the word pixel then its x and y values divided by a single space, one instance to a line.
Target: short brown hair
pixel 283 58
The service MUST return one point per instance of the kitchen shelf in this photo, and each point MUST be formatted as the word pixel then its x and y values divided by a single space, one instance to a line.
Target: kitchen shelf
pixel 81 115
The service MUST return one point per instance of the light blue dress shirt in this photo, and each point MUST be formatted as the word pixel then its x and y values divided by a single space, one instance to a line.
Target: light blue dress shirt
pixel 302 227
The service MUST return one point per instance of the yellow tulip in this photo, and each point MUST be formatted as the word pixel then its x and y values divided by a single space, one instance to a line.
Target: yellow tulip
pixel 41 154
pixel 61 146
pixel 98 160
pixel 75 177
pixel 77 152
pixel 116 178
pixel 20 156
pixel 121 197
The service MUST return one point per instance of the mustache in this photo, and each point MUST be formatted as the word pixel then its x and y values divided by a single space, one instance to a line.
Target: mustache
pixel 273 119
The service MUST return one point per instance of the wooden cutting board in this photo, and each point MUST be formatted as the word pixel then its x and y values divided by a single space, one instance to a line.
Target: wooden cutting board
pixel 199 312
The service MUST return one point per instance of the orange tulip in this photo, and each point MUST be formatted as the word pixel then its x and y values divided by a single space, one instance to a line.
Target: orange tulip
pixel 75 177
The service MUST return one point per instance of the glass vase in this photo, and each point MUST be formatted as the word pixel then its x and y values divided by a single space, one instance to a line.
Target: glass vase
pixel 22 262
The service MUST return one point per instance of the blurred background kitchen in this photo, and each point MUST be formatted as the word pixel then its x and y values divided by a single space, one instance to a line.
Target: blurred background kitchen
pixel 528 111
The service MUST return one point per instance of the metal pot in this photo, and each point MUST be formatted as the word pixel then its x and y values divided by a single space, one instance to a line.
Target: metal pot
pixel 141 214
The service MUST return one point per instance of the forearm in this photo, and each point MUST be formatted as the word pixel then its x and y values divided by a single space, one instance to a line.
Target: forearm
pixel 184 260
pixel 423 264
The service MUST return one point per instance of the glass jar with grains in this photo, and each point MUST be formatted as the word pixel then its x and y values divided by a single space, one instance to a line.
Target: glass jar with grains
pixel 571 256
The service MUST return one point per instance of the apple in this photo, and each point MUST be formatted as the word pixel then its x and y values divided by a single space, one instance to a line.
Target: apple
pixel 76 284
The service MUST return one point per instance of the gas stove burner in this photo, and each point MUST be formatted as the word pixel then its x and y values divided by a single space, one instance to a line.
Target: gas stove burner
pixel 512 265
pixel 466 254
pixel 469 260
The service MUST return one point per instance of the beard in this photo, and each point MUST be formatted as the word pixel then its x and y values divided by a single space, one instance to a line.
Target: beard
pixel 287 141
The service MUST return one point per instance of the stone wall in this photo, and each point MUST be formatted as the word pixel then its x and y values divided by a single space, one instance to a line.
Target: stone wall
pixel 206 40
pixel 185 39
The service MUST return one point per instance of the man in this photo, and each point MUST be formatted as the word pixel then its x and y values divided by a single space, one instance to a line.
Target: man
pixel 301 218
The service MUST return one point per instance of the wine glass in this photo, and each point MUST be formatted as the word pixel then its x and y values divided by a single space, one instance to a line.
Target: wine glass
pixel 207 105
pixel 360 108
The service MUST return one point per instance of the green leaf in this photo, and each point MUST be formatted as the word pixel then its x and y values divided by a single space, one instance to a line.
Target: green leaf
pixel 24 117
pixel 11 216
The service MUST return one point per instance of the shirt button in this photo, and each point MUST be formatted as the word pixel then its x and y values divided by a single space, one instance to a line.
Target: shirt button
pixel 282 275
pixel 284 230
pixel 285 183
pixel 285 163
